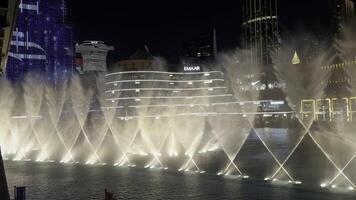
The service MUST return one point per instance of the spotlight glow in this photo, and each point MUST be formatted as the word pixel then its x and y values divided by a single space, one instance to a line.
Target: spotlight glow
pixel 297 182
pixel 67 158
pixel 42 157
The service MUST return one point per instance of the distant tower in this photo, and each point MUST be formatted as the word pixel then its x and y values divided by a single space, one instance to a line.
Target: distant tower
pixel 200 49
pixel 260 29
pixel 342 12
pixel 94 55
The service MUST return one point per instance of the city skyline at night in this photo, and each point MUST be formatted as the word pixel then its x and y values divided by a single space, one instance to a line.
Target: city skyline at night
pixel 248 100
pixel 164 28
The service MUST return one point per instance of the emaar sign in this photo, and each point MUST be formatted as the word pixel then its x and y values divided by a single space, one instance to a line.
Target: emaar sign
pixel 191 68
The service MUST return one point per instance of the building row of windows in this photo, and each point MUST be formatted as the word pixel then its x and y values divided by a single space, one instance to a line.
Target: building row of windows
pixel 338 80
pixel 133 77
pixel 339 65
pixel 259 19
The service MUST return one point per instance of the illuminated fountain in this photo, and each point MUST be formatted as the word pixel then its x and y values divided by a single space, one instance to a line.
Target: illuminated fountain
pixel 340 141
pixel 33 97
pixel 232 131
pixel 179 120
pixel 299 86
pixel 8 140
pixel 307 84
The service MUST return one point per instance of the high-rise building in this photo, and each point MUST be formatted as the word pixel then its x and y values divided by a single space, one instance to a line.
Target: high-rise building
pixel 200 49
pixel 260 30
pixel 94 55
pixel 7 13
pixel 342 12
pixel 40 42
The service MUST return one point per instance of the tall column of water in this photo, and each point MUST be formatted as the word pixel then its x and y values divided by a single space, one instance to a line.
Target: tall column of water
pixel 233 131
pixel 81 99
pixel 343 145
pixel 301 85
pixel 33 97
pixel 190 125
pixel 55 99
pixel 8 141
pixel 152 129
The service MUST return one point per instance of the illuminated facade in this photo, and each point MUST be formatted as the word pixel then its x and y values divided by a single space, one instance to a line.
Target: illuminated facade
pixel 260 34
pixel 340 104
pixel 329 109
pixel 160 94
pixel 260 29
pixel 340 66
pixel 41 42
pixel 94 55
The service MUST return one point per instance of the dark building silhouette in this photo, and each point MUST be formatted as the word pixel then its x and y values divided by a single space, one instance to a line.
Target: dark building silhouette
pixel 141 60
pixel 7 13
pixel 200 49
pixel 4 192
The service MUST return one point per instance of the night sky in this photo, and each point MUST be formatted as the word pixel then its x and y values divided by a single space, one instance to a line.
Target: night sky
pixel 163 26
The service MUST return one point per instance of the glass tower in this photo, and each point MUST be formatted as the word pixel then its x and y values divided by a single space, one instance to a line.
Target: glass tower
pixel 260 29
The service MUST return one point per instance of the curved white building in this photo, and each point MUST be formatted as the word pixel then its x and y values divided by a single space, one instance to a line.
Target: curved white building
pixel 164 94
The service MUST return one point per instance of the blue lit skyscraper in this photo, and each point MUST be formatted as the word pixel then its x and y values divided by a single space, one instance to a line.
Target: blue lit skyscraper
pixel 41 41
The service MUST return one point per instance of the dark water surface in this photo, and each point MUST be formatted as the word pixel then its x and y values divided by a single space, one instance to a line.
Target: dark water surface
pixel 77 182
